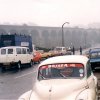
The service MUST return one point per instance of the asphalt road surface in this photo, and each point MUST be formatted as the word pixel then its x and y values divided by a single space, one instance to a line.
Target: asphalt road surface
pixel 15 82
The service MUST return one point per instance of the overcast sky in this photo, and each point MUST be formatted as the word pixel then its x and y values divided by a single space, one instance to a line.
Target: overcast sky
pixel 50 12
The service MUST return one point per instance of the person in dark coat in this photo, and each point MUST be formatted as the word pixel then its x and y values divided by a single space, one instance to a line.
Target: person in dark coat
pixel 80 50
pixel 73 50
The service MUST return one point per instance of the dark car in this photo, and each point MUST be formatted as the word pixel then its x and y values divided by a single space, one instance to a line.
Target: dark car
pixel 94 55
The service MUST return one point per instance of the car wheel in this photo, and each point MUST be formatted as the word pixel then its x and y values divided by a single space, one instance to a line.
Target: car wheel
pixel 93 69
pixel 3 69
pixel 31 63
pixel 39 61
pixel 19 65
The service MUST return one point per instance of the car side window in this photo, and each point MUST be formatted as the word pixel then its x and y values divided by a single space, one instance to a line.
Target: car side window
pixel 18 50
pixel 10 51
pixel 3 51
pixel 89 71
pixel 24 51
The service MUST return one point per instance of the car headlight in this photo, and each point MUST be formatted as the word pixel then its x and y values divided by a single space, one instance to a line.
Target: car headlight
pixel 83 95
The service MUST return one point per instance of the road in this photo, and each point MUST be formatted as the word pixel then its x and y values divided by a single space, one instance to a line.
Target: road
pixel 14 82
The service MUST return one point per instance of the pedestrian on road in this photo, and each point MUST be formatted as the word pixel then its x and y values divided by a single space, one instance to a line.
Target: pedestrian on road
pixel 73 50
pixel 80 50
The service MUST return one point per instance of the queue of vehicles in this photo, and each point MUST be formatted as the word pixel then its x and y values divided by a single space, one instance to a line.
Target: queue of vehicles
pixel 55 75
pixel 17 49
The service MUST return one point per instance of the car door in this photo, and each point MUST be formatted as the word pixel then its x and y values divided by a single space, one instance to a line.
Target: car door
pixel 21 55
pixel 29 55
pixel 3 55
pixel 10 55
pixel 24 56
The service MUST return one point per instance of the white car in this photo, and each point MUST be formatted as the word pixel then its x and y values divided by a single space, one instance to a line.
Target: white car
pixel 64 78
pixel 60 50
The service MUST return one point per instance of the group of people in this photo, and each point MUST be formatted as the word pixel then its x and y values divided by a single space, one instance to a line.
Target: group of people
pixel 73 50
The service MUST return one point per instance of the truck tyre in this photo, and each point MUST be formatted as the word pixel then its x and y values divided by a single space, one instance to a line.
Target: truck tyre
pixel 18 65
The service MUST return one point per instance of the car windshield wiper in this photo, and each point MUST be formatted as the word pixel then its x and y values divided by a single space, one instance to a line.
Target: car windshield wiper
pixel 42 76
pixel 63 75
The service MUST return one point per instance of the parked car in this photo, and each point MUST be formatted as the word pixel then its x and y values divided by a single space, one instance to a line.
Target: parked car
pixel 46 55
pixel 94 55
pixel 61 50
pixel 37 57
pixel 64 78
pixel 15 55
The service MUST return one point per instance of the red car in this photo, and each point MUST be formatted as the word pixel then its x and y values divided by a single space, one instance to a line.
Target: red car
pixel 37 57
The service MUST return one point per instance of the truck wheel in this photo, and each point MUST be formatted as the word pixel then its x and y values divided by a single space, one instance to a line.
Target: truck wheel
pixel 19 65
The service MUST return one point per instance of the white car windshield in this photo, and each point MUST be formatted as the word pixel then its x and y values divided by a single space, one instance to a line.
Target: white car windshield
pixel 56 71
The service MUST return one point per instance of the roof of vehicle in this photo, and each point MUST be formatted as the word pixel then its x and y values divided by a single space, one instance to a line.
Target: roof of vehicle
pixel 13 47
pixel 60 47
pixel 66 59
pixel 94 50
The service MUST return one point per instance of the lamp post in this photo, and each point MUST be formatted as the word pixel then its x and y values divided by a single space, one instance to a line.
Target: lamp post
pixel 63 44
pixel 85 40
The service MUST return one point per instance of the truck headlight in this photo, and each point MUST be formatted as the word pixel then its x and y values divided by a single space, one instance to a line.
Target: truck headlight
pixel 83 95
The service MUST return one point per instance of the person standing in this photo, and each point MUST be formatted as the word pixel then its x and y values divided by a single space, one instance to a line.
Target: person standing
pixel 80 50
pixel 73 50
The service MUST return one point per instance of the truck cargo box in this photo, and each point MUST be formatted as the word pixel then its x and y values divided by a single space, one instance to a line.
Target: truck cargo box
pixel 16 40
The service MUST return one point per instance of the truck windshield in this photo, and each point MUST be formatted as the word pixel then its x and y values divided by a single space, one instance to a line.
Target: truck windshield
pixel 62 71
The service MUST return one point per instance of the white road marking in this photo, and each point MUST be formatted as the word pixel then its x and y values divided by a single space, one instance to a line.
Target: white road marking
pixel 24 75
